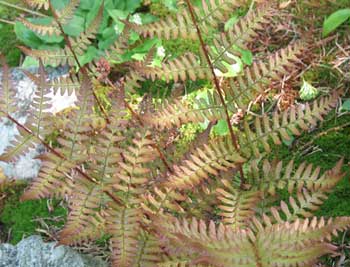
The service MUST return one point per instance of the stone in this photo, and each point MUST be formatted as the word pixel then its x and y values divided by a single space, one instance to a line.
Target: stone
pixel 27 167
pixel 33 252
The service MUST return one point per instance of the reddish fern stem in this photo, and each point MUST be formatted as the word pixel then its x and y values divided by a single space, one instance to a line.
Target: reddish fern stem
pixel 217 85
pixel 81 68
pixel 138 118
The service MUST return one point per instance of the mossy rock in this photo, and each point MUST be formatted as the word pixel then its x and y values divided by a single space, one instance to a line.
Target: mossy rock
pixel 19 217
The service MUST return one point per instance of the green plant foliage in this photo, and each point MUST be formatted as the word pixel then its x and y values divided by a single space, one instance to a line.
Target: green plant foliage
pixel 19 218
pixel 335 20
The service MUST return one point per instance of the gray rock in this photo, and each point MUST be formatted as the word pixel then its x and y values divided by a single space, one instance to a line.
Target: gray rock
pixel 33 252
pixel 26 167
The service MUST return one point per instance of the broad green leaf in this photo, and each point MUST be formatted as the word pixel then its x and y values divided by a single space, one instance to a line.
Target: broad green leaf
pixel 335 20
pixel 307 91
pixel 30 62
pixel 28 37
pixel 221 128
pixel 345 106
pixel 75 26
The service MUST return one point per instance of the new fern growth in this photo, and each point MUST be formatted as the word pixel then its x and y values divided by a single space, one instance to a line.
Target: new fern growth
pixel 206 207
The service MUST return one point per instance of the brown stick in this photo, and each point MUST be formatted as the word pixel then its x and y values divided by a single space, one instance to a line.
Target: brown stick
pixel 217 85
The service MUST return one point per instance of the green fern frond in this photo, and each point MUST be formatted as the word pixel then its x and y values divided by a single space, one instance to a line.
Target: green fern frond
pixel 208 16
pixel 149 251
pixel 284 124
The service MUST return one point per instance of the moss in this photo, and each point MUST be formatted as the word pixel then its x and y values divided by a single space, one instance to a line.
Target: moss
pixel 8 45
pixel 330 148
pixel 18 217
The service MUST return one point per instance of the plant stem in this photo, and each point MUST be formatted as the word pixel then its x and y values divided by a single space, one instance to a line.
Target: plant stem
pixel 217 86
pixel 7 21
pixel 4 3
pixel 81 68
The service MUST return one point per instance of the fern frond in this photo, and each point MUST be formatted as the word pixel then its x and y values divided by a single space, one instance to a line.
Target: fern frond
pixel 302 206
pixel 51 57
pixel 181 68
pixel 208 16
pixel 38 4
pixel 65 14
pixel 95 228
pixel 65 84
pixel 305 176
pixel 7 93
pixel 177 112
pixel 243 33
pixel 37 121
pixel 85 202
pixel 149 251
pixel 218 155
pixel 303 241
pixel 237 205
pixel 124 226
pixel 42 29
pixel 284 124
pixel 258 77
pixel 134 175
pixel 52 178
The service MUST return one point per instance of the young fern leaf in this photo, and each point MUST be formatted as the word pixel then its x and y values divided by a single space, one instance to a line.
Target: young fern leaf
pixel 149 251
pixel 218 155
pixel 209 16
pixel 283 125
pixel 51 57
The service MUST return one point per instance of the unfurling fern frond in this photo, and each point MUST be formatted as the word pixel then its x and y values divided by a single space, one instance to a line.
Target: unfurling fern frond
pixel 218 155
pixel 209 15
pixel 290 122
